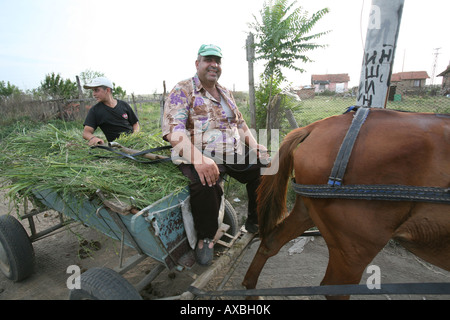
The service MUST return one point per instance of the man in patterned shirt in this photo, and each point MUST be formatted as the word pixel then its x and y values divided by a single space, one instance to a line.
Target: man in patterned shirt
pixel 207 131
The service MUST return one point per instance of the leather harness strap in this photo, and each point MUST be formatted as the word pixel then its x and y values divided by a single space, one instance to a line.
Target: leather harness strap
pixel 375 192
pixel 340 164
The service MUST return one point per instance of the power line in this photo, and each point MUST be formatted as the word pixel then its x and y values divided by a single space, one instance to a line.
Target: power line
pixel 433 72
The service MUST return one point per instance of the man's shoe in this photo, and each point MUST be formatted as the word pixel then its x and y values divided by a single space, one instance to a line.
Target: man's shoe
pixel 251 227
pixel 204 256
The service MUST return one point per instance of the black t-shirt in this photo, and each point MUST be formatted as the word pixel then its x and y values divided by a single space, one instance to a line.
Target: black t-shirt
pixel 112 121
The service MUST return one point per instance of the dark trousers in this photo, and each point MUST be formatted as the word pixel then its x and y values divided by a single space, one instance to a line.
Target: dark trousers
pixel 205 200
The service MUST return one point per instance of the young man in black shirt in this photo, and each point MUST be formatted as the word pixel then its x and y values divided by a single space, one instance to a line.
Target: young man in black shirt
pixel 112 116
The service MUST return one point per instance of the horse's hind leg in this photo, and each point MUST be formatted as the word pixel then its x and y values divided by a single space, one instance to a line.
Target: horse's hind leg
pixel 346 266
pixel 349 256
pixel 353 239
pixel 293 226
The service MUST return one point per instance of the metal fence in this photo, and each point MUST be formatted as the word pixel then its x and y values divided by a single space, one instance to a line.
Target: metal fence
pixel 321 107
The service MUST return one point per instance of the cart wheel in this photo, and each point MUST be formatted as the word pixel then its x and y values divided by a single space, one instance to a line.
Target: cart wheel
pixel 231 219
pixel 16 250
pixel 104 284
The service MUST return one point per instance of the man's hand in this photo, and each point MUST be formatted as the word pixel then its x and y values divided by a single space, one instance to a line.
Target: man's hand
pixel 262 152
pixel 206 168
pixel 207 171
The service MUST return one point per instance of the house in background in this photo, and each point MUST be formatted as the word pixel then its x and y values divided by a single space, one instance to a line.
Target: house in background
pixel 445 81
pixel 408 82
pixel 331 82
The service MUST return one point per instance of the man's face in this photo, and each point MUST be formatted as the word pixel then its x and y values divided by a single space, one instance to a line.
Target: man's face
pixel 209 69
pixel 100 94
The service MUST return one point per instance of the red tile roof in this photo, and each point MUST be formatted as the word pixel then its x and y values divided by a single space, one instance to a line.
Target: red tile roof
pixel 332 78
pixel 411 75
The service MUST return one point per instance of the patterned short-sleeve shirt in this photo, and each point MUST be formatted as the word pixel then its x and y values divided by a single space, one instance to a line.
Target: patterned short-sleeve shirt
pixel 191 109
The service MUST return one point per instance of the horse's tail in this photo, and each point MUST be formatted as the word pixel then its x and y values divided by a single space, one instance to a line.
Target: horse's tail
pixel 273 188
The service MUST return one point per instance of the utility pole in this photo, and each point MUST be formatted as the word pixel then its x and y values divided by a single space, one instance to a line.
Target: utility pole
pixel 381 42
pixel 433 71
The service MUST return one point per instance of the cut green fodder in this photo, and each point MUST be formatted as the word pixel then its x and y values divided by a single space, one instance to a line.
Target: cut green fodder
pixel 56 157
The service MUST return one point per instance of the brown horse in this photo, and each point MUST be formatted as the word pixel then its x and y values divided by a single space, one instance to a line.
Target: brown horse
pixel 393 148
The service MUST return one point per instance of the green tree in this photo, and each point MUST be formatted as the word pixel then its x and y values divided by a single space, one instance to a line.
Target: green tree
pixel 262 95
pixel 55 87
pixel 8 90
pixel 119 92
pixel 282 38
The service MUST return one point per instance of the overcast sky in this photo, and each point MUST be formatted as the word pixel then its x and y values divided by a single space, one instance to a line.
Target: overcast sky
pixel 140 43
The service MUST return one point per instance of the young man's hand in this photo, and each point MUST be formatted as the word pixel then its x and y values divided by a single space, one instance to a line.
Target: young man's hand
pixel 94 141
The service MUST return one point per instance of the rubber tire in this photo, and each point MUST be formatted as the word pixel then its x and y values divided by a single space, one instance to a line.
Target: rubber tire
pixel 16 250
pixel 230 218
pixel 104 284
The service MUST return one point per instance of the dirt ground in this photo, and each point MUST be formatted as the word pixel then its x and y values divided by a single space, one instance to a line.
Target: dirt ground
pixel 68 246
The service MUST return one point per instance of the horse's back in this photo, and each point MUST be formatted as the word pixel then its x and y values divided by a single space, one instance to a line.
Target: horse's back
pixel 391 148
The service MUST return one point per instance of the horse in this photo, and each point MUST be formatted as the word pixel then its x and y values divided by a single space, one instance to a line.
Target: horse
pixel 393 148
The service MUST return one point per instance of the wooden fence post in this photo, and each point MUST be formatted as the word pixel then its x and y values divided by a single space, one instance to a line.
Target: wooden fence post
pixel 251 79
pixel 290 116
pixel 82 111
pixel 134 105
pixel 161 103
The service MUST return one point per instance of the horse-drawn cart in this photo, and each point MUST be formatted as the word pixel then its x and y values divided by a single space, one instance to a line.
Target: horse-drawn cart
pixel 157 231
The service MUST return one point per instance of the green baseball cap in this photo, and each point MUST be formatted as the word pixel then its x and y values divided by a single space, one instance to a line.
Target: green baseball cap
pixel 210 50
